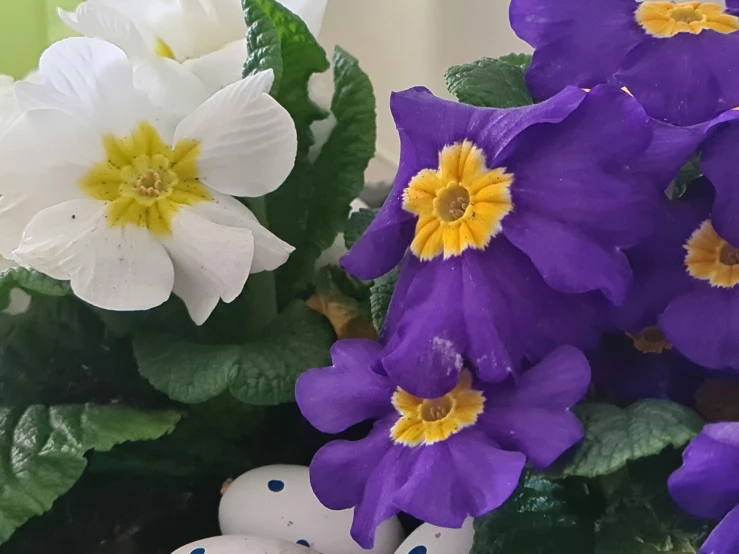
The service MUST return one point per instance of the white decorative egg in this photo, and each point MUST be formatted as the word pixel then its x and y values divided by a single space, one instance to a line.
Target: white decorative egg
pixel 234 544
pixel 429 539
pixel 278 502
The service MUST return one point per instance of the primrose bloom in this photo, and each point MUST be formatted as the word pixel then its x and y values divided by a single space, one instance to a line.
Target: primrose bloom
pixel 707 485
pixel 439 459
pixel 675 58
pixel 101 188
pixel 207 38
pixel 700 321
pixel 514 221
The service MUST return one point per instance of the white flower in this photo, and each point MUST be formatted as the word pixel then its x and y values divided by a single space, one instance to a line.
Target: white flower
pixel 102 188
pixel 204 37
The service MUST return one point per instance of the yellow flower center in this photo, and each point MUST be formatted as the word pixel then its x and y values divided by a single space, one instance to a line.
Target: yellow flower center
pixel 428 421
pixel 711 258
pixel 650 340
pixel 460 205
pixel 163 50
pixel 145 181
pixel 666 19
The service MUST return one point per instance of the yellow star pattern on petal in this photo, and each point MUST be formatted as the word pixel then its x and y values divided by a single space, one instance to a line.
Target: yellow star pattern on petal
pixel 460 205
pixel 145 181
pixel 666 19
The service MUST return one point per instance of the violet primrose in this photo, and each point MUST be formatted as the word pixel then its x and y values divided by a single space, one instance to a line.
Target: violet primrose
pixel 677 59
pixel 549 185
pixel 439 459
pixel 707 485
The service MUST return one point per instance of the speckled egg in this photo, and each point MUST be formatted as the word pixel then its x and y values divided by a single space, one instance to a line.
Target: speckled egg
pixel 429 539
pixel 278 502
pixel 235 544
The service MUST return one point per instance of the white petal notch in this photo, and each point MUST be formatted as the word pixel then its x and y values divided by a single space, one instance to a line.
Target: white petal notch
pixel 133 206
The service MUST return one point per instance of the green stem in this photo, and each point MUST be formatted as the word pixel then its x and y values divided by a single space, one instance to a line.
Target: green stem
pixel 261 297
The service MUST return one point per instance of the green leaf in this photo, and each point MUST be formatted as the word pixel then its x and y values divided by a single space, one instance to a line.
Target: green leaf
pixel 43 451
pixel 489 83
pixel 30 281
pixel 337 176
pixel 262 43
pixel 381 293
pixel 641 517
pixel 260 372
pixel 357 225
pixel 689 173
pixel 542 517
pixel 58 353
pixel 615 436
pixel 519 60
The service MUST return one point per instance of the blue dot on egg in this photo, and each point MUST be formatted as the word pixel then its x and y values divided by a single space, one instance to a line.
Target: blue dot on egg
pixel 198 551
pixel 275 485
pixel 303 542
pixel 419 550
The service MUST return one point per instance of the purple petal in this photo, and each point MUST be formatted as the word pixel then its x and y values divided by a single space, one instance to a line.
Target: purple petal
pixel 577 172
pixel 558 382
pixel 685 80
pixel 658 262
pixel 724 539
pixel 576 43
pixel 465 475
pixel 432 493
pixel 377 502
pixel 335 398
pixel 568 260
pixel 340 470
pixel 703 325
pixel 542 434
pixel 707 484
pixel 442 315
pixel 719 165
pixel 535 317
pixel 576 202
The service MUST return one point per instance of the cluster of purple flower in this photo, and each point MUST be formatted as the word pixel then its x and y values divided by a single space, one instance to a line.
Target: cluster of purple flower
pixel 522 236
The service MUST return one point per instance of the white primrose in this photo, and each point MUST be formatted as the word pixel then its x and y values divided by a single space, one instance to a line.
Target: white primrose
pixel 130 203
pixel 206 38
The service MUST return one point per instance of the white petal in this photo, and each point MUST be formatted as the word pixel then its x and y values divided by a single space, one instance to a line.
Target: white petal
pixel 36 96
pixel 220 68
pixel 107 23
pixel 46 152
pixel 248 140
pixel 9 110
pixel 211 261
pixel 269 251
pixel 112 268
pixel 100 77
pixel 170 86
pixel 6 82
pixel 195 28
pixel 310 11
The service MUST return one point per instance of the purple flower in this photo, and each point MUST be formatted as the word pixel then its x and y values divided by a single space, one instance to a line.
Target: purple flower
pixel 677 59
pixel 703 321
pixel 707 485
pixel 515 221
pixel 442 459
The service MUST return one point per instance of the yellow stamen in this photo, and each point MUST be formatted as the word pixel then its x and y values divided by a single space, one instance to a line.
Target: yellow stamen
pixel 666 19
pixel 428 421
pixel 650 340
pixel 711 258
pixel 460 205
pixel 145 181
